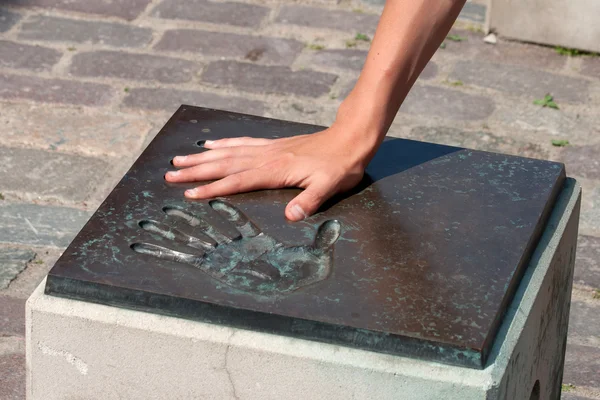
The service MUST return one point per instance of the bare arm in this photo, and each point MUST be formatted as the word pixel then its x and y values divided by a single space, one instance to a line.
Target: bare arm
pixel 334 160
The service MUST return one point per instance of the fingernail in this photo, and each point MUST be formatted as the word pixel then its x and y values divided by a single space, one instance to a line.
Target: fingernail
pixel 208 142
pixel 173 173
pixel 191 192
pixel 179 159
pixel 298 213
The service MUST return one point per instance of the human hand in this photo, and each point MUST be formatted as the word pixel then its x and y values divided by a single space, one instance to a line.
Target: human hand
pixel 323 164
pixel 251 262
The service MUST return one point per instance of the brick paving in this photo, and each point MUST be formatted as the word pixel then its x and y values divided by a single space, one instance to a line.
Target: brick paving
pixel 84 86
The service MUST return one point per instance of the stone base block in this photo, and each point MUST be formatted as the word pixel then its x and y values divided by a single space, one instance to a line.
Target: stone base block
pixel 80 350
pixel 570 24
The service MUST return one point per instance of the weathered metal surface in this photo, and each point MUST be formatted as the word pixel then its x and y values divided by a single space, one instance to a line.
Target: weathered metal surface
pixel 421 259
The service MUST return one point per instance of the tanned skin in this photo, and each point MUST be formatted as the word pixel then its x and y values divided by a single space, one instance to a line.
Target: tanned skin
pixel 331 161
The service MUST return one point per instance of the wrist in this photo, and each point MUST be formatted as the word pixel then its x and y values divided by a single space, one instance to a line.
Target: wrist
pixel 361 125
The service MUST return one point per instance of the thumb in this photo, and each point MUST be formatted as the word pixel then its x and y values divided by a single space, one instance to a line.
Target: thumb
pixel 308 202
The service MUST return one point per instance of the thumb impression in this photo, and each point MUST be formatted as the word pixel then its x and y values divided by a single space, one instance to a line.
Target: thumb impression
pixel 307 203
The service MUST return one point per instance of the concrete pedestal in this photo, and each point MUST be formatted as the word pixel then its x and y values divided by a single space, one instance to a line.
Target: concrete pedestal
pixel 80 350
pixel 571 23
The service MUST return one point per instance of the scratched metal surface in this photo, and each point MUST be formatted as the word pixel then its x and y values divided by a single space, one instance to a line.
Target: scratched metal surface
pixel 430 249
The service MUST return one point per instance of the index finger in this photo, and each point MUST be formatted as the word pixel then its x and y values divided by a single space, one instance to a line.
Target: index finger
pixel 246 181
pixel 234 142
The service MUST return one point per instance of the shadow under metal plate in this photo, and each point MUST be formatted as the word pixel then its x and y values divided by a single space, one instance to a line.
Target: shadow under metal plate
pixel 420 260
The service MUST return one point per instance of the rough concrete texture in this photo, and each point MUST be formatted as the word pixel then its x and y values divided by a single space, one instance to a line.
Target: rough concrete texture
pixel 112 115
pixel 82 349
pixel 570 24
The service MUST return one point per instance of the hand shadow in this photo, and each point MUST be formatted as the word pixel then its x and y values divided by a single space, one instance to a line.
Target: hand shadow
pixel 393 157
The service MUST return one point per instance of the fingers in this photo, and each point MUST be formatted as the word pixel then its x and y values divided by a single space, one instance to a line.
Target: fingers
pixel 175 234
pixel 198 223
pixel 246 181
pixel 309 201
pixel 167 254
pixel 235 216
pixel 233 142
pixel 212 170
pixel 327 235
pixel 213 155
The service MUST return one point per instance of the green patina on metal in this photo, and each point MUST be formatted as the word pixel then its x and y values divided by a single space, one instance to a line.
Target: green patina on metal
pixel 420 259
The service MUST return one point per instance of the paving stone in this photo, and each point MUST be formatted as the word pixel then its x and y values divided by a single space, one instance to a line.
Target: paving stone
pixel 171 99
pixel 573 396
pixel 8 19
pixel 70 30
pixel 351 59
pixel 53 90
pixel 268 79
pixel 473 12
pixel 316 17
pixel 231 45
pixel 12 315
pixel 582 161
pixel 559 124
pixel 591 67
pixel 516 80
pixel 34 224
pixel 485 141
pixel 229 13
pixel 12 263
pixel 73 130
pixel 506 52
pixel 587 262
pixel 35 58
pixel 116 64
pixel 446 103
pixel 50 174
pixel 126 9
pixel 582 364
pixel 584 324
pixel 33 275
pixel 12 379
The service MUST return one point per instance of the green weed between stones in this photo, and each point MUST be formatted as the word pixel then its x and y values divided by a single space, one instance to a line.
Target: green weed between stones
pixel 475 29
pixel 453 83
pixel 443 45
pixel 565 51
pixel 456 38
pixel 596 294
pixel 567 387
pixel 1 196
pixel 547 101
pixel 560 142
pixel 363 37
pixel 316 47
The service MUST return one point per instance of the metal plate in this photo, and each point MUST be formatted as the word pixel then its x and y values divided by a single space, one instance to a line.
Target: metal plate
pixel 422 261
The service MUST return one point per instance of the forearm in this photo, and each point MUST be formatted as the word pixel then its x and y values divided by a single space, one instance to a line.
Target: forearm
pixel 408 34
pixel 333 160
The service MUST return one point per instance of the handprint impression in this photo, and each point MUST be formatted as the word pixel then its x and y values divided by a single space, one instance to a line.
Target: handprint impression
pixel 253 261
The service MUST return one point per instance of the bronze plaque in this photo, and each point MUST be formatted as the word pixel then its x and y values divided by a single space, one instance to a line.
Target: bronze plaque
pixel 420 260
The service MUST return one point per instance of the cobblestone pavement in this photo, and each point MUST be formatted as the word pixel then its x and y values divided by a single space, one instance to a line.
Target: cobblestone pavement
pixel 84 86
